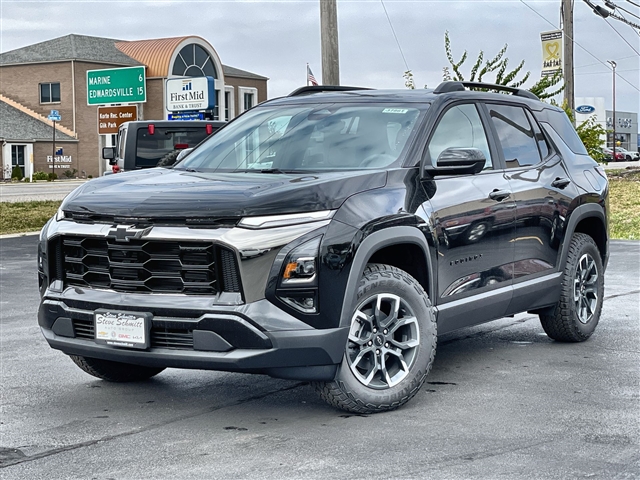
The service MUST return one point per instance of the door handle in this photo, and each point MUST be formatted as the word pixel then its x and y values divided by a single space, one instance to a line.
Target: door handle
pixel 499 195
pixel 560 183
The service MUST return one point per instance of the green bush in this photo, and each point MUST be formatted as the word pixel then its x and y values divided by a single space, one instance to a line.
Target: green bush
pixel 17 173
pixel 26 180
pixel 52 177
pixel 70 173
pixel 90 176
pixel 40 176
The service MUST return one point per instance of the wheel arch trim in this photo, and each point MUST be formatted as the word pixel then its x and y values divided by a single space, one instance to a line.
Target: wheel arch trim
pixel 582 212
pixel 368 247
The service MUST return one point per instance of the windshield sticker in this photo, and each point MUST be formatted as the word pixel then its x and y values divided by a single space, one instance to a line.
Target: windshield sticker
pixel 395 110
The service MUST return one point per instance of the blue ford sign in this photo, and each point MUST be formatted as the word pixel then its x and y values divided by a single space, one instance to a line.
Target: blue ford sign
pixel 585 109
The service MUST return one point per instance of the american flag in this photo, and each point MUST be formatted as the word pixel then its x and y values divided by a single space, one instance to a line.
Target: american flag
pixel 310 78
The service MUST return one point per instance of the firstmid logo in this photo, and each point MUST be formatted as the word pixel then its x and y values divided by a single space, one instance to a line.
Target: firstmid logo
pixel 186 85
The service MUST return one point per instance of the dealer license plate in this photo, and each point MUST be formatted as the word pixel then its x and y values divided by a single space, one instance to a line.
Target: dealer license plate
pixel 122 329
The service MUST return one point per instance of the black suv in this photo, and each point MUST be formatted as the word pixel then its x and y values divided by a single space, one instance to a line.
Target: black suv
pixel 330 236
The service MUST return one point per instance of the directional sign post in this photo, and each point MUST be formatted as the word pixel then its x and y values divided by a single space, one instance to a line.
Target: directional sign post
pixel 116 86
pixel 54 116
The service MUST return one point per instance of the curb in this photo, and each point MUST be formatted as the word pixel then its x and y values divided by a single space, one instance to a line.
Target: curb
pixel 16 235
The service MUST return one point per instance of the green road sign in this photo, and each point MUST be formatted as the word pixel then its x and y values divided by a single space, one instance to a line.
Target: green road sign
pixel 116 85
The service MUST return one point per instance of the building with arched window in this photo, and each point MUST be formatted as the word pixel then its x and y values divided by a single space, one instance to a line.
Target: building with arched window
pixel 52 75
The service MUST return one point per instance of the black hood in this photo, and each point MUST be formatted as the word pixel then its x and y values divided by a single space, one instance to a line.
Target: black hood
pixel 169 193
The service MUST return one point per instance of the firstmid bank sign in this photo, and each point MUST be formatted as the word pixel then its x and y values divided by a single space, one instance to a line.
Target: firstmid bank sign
pixel 189 94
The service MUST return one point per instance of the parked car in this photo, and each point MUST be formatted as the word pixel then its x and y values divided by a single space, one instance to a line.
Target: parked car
pixel 628 156
pixel 151 143
pixel 608 154
pixel 330 236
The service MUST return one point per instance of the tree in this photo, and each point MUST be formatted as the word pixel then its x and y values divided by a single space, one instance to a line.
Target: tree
pixel 590 132
pixel 543 88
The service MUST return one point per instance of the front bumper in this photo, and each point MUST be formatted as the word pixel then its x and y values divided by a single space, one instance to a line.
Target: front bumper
pixel 225 338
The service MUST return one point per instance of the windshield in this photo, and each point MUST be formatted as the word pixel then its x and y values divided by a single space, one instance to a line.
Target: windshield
pixel 309 138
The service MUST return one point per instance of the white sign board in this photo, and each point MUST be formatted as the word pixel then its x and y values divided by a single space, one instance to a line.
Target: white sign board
pixel 551 52
pixel 190 94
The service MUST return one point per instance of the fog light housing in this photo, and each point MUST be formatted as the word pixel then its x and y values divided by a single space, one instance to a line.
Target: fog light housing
pixel 305 302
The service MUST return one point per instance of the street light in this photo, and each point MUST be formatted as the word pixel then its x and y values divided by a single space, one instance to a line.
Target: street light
pixel 613 67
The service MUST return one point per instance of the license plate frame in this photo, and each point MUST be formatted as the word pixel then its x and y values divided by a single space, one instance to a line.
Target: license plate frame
pixel 122 329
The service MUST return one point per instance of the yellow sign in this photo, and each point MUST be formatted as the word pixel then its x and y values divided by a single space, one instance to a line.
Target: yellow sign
pixel 551 52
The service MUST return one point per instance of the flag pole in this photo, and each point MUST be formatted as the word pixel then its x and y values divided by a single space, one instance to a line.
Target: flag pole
pixel 307 74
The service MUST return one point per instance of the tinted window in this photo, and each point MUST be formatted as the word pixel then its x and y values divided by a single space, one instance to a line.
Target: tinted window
pixel 563 126
pixel 460 127
pixel 308 138
pixel 516 135
pixel 150 149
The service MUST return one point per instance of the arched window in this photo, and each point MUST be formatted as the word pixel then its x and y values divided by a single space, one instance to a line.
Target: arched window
pixel 194 61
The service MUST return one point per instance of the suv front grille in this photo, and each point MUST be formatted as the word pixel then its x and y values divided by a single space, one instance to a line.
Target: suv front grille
pixel 154 266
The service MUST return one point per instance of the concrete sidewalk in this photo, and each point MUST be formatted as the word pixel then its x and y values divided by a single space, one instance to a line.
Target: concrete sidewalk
pixel 42 190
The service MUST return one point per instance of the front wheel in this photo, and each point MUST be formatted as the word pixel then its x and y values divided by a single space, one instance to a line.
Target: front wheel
pixel 578 311
pixel 391 344
pixel 114 371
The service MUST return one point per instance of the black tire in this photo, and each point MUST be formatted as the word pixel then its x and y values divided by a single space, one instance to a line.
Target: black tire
pixel 414 327
pixel 114 371
pixel 578 311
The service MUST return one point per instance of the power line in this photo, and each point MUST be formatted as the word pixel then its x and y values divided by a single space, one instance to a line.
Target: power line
pixel 587 51
pixel 395 36
pixel 616 59
pixel 621 36
pixel 633 3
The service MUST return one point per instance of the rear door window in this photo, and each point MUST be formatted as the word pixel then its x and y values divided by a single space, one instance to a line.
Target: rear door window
pixel 151 148
pixel 516 135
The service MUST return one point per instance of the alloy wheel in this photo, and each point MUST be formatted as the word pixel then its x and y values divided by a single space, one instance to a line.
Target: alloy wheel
pixel 383 341
pixel 585 290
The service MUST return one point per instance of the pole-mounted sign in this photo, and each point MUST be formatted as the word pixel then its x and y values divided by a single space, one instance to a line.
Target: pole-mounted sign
pixel 116 86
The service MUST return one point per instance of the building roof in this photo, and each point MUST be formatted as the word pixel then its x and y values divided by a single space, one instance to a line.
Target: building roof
pixel 236 72
pixel 17 124
pixel 69 47
pixel 154 53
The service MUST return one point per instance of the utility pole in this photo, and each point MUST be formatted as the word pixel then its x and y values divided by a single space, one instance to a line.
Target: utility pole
pixel 613 67
pixel 567 38
pixel 329 42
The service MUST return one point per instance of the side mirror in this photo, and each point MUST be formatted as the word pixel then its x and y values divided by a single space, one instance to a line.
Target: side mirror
pixel 109 153
pixel 458 161
pixel 183 154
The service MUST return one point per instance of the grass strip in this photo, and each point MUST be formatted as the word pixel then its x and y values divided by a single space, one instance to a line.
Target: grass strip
pixel 21 217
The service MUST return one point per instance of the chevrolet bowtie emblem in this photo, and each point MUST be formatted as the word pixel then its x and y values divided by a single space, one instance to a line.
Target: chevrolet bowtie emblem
pixel 124 233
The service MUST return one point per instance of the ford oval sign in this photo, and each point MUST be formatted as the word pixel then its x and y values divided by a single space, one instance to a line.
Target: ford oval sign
pixel 585 109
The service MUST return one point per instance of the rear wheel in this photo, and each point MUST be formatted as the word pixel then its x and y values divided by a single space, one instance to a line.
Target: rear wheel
pixel 578 311
pixel 114 371
pixel 391 344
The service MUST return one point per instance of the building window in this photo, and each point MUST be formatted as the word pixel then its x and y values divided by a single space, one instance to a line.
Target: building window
pixel 50 92
pixel 229 107
pixel 248 98
pixel 194 61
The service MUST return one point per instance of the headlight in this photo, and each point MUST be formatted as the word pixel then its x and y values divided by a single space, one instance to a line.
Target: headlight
pixel 301 264
pixel 298 282
pixel 271 221
pixel 59 214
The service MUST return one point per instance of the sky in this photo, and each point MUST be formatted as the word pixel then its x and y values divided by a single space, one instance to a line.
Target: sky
pixel 278 38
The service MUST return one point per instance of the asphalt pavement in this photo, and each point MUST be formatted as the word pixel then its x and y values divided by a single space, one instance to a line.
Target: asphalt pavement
pixel 502 401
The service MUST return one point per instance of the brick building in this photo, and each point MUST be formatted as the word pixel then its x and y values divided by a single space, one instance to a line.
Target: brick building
pixel 53 75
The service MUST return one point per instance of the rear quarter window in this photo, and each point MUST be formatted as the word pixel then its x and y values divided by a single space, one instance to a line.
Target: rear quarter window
pixel 559 121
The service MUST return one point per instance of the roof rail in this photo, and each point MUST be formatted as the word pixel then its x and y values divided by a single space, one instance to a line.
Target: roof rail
pixel 323 88
pixel 446 87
